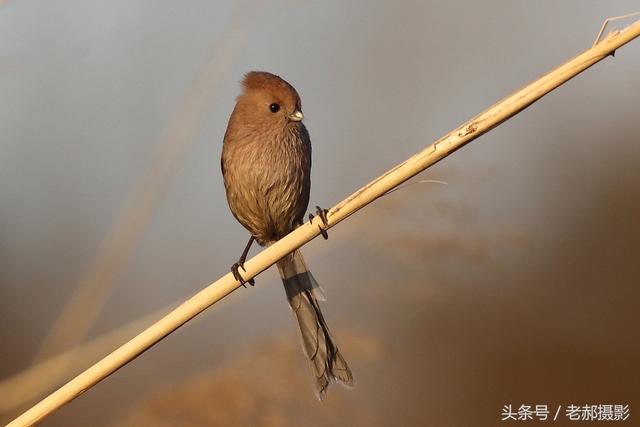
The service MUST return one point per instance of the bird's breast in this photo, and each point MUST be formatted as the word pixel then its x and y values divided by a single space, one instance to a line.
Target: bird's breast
pixel 268 190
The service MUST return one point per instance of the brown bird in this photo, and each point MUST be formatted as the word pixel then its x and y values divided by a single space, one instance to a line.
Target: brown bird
pixel 266 165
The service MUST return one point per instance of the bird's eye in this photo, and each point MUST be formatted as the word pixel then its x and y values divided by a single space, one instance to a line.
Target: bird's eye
pixel 274 107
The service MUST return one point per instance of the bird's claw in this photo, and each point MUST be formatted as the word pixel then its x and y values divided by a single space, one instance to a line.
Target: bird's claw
pixel 235 270
pixel 322 213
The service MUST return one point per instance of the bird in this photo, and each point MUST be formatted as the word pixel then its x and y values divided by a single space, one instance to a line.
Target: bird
pixel 266 168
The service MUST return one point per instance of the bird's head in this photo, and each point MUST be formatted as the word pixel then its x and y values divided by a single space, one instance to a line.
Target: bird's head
pixel 268 100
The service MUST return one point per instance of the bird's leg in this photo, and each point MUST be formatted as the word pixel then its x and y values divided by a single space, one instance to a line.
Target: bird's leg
pixel 322 213
pixel 240 264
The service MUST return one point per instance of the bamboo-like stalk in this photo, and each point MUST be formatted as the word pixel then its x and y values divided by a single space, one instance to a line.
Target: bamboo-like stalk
pixel 37 379
pixel 446 145
pixel 34 381
pixel 85 305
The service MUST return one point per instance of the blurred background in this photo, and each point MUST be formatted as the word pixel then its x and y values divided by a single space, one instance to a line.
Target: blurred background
pixel 515 283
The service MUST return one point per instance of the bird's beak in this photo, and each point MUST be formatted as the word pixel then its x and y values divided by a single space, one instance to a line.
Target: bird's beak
pixel 296 116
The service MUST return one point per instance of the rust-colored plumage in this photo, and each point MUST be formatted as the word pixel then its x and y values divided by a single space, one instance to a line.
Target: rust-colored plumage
pixel 266 165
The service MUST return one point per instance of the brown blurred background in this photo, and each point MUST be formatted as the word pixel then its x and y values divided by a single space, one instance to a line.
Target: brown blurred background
pixel 516 283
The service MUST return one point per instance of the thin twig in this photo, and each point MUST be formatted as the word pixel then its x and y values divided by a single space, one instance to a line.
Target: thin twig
pixel 408 184
pixel 445 146
pixel 606 22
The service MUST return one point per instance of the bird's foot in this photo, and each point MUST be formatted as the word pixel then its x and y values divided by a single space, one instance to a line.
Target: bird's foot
pixel 235 270
pixel 322 213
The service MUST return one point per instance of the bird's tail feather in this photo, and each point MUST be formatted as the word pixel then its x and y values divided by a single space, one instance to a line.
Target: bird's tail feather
pixel 303 293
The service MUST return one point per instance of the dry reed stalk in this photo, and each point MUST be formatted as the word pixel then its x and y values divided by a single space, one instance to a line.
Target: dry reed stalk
pixel 443 147
pixel 41 377
pixel 85 305
pixel 37 379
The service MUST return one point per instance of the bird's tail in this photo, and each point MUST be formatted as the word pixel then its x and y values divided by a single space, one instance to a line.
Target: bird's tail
pixel 303 293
